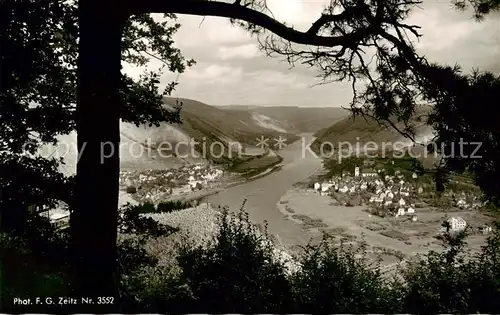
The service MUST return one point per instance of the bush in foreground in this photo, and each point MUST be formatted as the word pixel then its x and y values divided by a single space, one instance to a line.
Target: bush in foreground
pixel 162 207
pixel 238 271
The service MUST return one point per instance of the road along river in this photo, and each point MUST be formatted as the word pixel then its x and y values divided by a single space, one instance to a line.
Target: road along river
pixel 263 194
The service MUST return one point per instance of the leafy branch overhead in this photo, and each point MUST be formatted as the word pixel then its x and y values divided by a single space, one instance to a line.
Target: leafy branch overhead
pixel 38 58
pixel 365 42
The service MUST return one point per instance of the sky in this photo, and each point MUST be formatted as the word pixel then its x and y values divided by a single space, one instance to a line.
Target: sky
pixel 231 70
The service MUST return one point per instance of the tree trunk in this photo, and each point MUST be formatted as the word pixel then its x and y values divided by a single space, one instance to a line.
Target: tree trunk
pixel 94 220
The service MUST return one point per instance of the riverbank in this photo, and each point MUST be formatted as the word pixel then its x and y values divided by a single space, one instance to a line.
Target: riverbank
pixel 393 239
pixel 263 193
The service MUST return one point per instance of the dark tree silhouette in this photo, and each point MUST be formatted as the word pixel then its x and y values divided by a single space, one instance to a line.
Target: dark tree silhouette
pixel 37 93
pixel 38 59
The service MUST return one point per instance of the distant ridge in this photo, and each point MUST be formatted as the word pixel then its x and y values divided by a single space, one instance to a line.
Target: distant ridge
pixel 294 119
pixel 363 130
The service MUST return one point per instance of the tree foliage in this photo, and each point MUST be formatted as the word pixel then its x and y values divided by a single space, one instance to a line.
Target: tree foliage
pixel 39 41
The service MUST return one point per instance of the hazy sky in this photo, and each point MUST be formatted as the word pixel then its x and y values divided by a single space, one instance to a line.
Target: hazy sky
pixel 231 70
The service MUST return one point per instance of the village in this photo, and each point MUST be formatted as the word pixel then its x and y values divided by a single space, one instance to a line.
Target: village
pixel 399 195
pixel 153 186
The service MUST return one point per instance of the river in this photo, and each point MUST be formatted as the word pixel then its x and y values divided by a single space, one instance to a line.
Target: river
pixel 264 193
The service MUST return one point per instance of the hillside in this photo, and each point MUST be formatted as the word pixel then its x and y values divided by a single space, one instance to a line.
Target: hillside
pixel 172 145
pixel 359 130
pixel 363 130
pixel 237 125
pixel 302 119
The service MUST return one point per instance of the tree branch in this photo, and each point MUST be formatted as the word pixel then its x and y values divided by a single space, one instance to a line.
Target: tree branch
pixel 348 14
pixel 230 10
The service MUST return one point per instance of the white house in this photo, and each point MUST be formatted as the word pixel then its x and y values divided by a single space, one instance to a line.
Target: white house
pixel 477 204
pixel 356 171
pixel 369 173
pixel 59 217
pixel 486 229
pixel 414 176
pixel 401 211
pixel 402 202
pixel 410 210
pixel 457 224
pixel 317 186
pixel 325 187
pixel 461 203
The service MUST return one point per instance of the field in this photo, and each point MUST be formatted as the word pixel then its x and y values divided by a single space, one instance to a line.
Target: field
pixel 393 238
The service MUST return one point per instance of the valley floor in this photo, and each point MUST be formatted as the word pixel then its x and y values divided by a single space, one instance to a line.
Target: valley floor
pixel 297 215
pixel 394 239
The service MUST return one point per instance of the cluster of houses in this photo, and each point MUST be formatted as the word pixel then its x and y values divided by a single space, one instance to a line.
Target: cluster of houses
pixel 392 195
pixel 389 191
pixel 466 201
pixel 150 186
pixel 386 191
pixel 156 185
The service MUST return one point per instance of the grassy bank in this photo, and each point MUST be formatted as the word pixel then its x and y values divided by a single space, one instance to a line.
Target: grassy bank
pixel 256 164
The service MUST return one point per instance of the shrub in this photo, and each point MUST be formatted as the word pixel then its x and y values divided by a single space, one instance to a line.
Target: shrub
pixel 450 282
pixel 169 206
pixel 38 262
pixel 146 207
pixel 236 272
pixel 131 190
pixel 239 272
pixel 162 207
pixel 333 280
